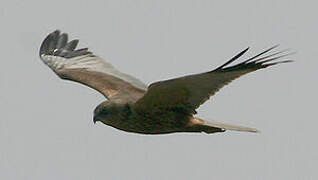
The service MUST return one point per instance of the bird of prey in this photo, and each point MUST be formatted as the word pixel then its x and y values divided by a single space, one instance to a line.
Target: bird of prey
pixel 163 107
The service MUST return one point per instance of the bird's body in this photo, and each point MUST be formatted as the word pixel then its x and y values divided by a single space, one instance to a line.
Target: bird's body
pixel 126 118
pixel 163 107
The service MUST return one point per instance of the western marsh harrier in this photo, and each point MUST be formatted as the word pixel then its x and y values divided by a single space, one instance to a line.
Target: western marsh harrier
pixel 163 107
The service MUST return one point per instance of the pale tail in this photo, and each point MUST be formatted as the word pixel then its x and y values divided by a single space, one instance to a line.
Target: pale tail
pixel 229 126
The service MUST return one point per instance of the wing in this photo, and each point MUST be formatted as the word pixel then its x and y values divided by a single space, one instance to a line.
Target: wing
pixel 82 66
pixel 189 92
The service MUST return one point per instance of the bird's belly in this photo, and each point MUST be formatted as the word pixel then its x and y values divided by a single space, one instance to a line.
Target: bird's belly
pixel 149 126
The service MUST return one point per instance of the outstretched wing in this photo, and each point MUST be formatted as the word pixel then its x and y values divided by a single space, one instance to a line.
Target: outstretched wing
pixel 84 67
pixel 189 92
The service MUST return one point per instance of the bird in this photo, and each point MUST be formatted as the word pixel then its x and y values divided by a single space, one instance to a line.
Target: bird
pixel 163 107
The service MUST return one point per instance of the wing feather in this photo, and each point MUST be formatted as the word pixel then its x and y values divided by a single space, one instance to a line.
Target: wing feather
pixel 189 92
pixel 82 66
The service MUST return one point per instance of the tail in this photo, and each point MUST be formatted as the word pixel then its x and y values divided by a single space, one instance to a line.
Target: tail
pixel 229 126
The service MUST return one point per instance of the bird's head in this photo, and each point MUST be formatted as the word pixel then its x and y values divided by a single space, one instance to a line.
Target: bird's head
pixel 102 111
pixel 107 112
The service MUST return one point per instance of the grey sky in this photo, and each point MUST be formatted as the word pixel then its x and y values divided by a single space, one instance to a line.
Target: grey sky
pixel 46 127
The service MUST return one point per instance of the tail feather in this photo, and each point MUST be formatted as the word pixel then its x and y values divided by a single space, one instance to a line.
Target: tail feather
pixel 229 126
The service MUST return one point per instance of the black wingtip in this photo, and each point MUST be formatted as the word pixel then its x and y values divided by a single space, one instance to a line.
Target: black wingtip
pixel 233 58
pixel 56 44
pixel 258 55
pixel 257 61
pixel 275 63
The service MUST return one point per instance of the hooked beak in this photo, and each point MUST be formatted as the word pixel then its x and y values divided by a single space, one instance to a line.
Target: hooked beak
pixel 95 119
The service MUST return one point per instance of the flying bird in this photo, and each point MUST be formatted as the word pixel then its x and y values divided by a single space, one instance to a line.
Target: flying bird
pixel 167 106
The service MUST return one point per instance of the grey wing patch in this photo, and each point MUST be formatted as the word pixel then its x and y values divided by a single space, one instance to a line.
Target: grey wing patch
pixel 56 45
pixel 58 54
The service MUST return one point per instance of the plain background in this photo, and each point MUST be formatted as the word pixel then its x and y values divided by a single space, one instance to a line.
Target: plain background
pixel 46 127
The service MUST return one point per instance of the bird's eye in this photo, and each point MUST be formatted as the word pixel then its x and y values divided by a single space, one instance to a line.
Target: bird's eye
pixel 104 111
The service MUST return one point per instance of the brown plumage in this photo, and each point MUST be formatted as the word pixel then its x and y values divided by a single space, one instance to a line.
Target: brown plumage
pixel 163 107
